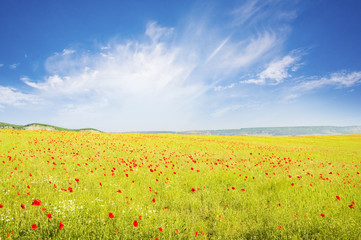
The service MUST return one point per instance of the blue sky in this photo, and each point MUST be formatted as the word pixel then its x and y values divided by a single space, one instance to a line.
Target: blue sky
pixel 180 65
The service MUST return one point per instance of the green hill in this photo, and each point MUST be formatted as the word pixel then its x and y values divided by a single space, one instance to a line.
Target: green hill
pixel 40 126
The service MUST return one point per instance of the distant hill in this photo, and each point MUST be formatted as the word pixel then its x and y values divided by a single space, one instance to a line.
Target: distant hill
pixel 40 126
pixel 274 131
pixel 266 131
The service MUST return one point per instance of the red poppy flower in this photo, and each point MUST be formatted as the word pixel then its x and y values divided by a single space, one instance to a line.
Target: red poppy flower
pixel 135 223
pixel 111 215
pixel 350 206
pixel 22 206
pixel 140 217
pixel 34 226
pixel 44 209
pixel 1 206
pixel 177 230
pixel 193 190
pixel 119 191
pixel 36 202
pixel 76 179
pixel 161 229
pixel 338 198
pixel 279 226
pixel 49 216
pixel 61 226
pixel 153 200
pixel 322 215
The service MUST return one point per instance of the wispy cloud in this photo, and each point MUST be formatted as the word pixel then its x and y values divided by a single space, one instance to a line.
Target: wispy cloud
pixel 1 64
pixel 341 79
pixel 12 97
pixel 276 72
pixel 14 66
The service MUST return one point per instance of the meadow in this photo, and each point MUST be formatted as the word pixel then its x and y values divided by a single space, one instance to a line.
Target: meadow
pixel 73 185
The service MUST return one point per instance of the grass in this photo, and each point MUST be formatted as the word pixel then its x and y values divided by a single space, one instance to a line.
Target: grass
pixel 207 187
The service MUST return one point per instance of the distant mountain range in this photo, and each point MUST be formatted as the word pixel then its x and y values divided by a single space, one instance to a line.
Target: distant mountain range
pixel 266 131
pixel 40 126
pixel 274 131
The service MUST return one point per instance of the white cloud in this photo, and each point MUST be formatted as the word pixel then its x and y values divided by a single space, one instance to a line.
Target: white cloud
pixel 14 66
pixel 339 80
pixel 12 97
pixel 1 65
pixel 276 72
pixel 67 52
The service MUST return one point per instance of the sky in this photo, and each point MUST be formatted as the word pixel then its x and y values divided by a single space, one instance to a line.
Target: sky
pixel 136 65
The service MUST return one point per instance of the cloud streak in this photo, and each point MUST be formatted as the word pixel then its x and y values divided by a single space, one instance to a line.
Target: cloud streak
pixel 341 79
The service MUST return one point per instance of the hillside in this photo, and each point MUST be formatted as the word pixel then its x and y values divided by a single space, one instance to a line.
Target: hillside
pixel 39 126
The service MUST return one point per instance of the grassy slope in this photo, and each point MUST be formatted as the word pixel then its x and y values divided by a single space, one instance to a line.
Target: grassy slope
pixel 320 168
pixel 55 128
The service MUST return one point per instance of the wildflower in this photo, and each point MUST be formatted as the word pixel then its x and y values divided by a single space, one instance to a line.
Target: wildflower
pixel 161 229
pixel 111 215
pixel 34 226
pixel 76 179
pixel 135 223
pixel 279 226
pixel 193 190
pixel 22 206
pixel 153 200
pixel 1 206
pixel 177 230
pixel 322 215
pixel 61 226
pixel 338 198
pixel 36 202
pixel 49 216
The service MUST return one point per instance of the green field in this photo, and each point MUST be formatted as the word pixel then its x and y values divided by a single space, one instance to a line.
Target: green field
pixel 138 186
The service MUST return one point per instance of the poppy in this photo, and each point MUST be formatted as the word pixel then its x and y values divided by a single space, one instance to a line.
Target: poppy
pixel 36 202
pixel 61 226
pixel 76 179
pixel 153 200
pixel 111 215
pixel 177 230
pixel 1 206
pixel 279 226
pixel 338 198
pixel 34 226
pixel 22 206
pixel 193 190
pixel 161 229
pixel 322 215
pixel 49 216
pixel 135 223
